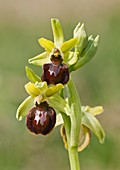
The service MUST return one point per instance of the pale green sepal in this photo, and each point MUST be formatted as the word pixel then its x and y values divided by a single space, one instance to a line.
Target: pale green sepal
pixel 24 108
pixel 53 89
pixel 58 103
pixel 47 44
pixel 93 124
pixel 32 90
pixel 93 110
pixel 80 33
pixel 31 75
pixel 70 58
pixel 59 120
pixel 57 32
pixel 68 45
pixel 40 59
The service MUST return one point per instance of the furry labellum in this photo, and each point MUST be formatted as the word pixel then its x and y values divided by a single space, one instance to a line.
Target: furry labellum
pixel 41 119
pixel 55 72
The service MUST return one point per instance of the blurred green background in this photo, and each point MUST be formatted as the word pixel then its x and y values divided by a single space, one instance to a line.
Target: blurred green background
pixel 21 24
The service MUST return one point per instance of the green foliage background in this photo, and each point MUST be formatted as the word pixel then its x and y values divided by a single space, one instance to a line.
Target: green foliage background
pixel 98 83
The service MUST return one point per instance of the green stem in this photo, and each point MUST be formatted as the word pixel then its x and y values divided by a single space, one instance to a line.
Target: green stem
pixel 73 158
pixel 67 125
pixel 72 151
pixel 72 125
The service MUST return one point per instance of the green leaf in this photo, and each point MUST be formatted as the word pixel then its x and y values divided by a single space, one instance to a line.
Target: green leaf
pixel 68 45
pixel 53 89
pixel 31 75
pixel 57 32
pixel 93 124
pixel 40 59
pixel 80 33
pixel 24 108
pixel 47 44
pixel 74 102
pixel 72 95
pixel 32 90
pixel 70 58
pixel 58 103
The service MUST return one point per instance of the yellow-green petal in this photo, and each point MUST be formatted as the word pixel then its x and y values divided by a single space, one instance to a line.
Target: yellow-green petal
pixel 53 89
pixel 47 44
pixel 68 45
pixel 32 90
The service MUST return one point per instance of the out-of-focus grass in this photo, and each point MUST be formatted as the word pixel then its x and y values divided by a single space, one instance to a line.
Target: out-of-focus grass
pixel 98 83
